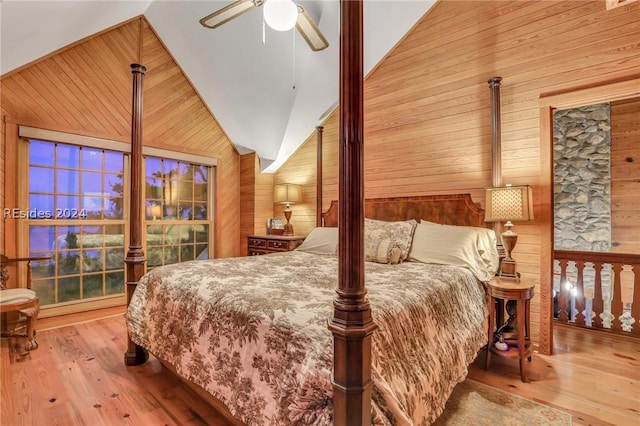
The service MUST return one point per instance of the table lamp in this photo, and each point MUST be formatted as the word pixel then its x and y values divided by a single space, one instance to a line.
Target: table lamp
pixel 506 204
pixel 287 193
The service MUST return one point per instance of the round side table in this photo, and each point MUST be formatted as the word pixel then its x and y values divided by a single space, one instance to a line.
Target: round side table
pixel 514 333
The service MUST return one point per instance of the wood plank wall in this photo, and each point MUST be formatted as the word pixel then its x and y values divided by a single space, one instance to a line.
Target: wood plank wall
pixel 625 176
pixel 85 88
pixel 427 113
pixel 256 199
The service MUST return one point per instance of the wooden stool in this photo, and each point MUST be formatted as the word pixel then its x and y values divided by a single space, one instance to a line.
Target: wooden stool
pixel 515 332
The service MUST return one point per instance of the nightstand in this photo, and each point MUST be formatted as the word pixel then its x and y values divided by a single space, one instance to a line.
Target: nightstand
pixel 515 331
pixel 264 244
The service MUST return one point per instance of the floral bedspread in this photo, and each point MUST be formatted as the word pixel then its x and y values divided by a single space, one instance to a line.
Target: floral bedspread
pixel 253 332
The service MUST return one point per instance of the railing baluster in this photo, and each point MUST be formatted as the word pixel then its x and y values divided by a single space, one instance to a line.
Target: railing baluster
pixel 635 306
pixel 597 304
pixel 562 294
pixel 580 296
pixel 616 298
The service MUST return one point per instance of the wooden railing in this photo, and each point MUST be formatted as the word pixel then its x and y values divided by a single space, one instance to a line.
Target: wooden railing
pixel 597 290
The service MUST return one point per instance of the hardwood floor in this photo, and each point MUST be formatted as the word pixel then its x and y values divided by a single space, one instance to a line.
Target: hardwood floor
pixel 77 377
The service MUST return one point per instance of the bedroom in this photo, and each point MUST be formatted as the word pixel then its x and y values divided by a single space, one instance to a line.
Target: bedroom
pixel 444 102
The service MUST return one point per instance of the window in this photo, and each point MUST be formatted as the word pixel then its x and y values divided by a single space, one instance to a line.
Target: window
pixel 177 214
pixel 75 215
pixel 74 203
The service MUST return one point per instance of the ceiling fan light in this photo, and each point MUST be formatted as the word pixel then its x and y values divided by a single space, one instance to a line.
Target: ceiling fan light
pixel 281 15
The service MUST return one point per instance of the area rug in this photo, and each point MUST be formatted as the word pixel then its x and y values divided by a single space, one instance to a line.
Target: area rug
pixel 475 404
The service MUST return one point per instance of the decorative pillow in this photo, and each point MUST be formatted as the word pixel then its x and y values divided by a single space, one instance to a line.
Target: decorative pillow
pixel 382 251
pixel 321 241
pixel 449 245
pixel 399 233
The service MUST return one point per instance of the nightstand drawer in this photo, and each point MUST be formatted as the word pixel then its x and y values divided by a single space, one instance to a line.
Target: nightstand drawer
pixel 278 245
pixel 272 244
pixel 257 243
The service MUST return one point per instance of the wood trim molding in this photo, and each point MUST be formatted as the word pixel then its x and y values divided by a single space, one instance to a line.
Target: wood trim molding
pixel 180 156
pixel 71 138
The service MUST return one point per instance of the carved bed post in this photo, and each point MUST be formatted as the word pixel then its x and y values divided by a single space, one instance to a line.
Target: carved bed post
pixel 496 149
pixel 135 255
pixel 351 325
pixel 319 176
pixel 496 146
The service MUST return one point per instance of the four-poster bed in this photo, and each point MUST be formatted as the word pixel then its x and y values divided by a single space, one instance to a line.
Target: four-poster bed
pixel 200 339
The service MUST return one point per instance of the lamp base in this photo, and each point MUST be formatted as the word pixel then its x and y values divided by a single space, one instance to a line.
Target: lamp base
pixel 288 230
pixel 508 270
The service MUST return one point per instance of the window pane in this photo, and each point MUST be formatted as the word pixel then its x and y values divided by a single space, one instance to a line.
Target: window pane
pixel 41 238
pixel 115 283
pixel 200 211
pixel 169 166
pixel 153 167
pixel 200 191
pixel 200 174
pixel 113 161
pixel 91 286
pixel 68 156
pixel 92 261
pixel 153 189
pixel 186 252
pixel 67 237
pixel 92 206
pixel 186 191
pixel 186 171
pixel 68 289
pixel 64 204
pixel 186 233
pixel 154 257
pixel 202 233
pixel 68 181
pixel 115 258
pixel 41 153
pixel 202 251
pixel 40 179
pixel 113 184
pixel 170 254
pixel 185 211
pixel 42 269
pixel 45 290
pixel 42 203
pixel 68 262
pixel 113 207
pixel 92 182
pixel 91 159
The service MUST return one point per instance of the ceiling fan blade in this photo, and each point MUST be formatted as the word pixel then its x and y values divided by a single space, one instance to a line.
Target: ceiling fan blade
pixel 310 31
pixel 229 12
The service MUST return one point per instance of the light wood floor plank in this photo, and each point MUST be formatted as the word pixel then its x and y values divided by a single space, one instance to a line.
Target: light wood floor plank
pixel 77 377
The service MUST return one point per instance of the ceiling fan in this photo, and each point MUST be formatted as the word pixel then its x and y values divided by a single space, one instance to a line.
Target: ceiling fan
pixel 276 15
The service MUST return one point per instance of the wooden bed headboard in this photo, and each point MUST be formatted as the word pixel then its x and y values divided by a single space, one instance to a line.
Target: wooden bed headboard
pixel 456 209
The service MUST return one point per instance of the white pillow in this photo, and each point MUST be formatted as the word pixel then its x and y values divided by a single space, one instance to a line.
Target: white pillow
pixel 322 240
pixel 487 244
pixel 449 245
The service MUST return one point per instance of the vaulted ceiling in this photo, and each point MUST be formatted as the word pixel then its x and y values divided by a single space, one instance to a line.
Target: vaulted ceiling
pixel 267 96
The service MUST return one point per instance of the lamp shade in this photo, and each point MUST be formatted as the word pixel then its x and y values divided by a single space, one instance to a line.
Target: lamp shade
pixel 287 193
pixel 509 203
pixel 281 15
